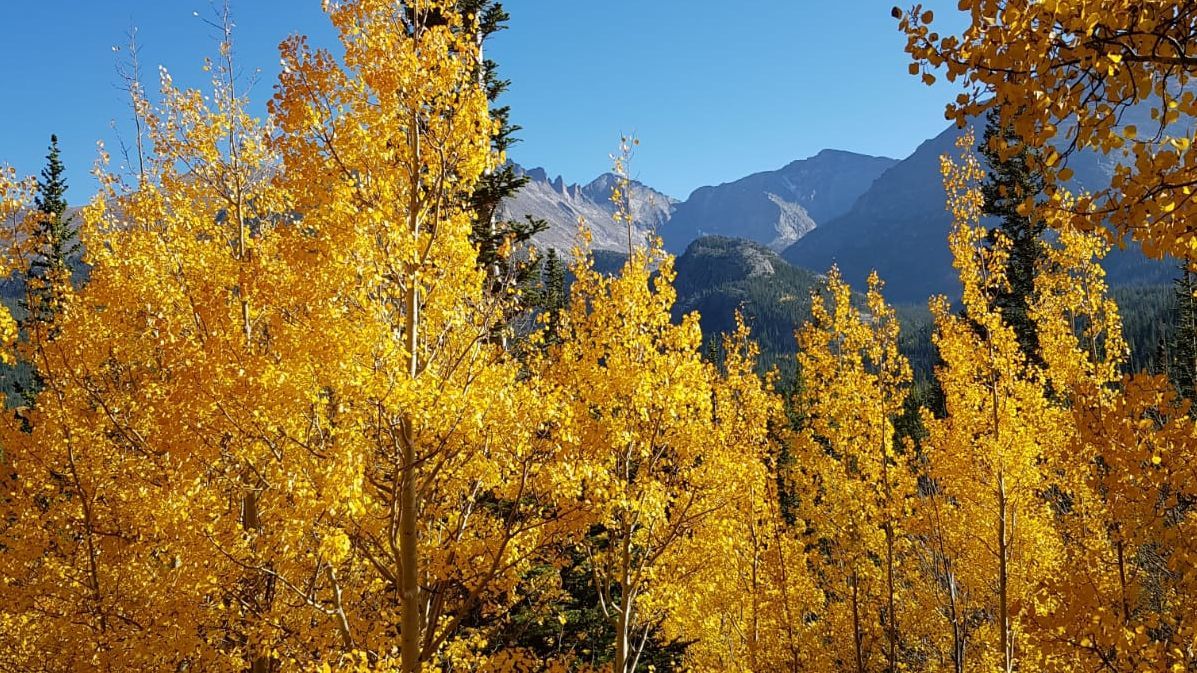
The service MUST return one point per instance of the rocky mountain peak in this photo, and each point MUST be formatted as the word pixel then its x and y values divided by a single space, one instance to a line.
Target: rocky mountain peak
pixel 776 207
pixel 564 206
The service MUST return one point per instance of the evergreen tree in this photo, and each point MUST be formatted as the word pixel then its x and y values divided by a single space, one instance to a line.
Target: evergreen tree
pixel 492 235
pixel 553 299
pixel 1183 353
pixel 56 241
pixel 1010 183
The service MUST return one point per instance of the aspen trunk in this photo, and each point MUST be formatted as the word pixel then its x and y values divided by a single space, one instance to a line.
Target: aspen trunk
pixel 958 635
pixel 410 635
pixel 259 662
pixel 1004 576
pixel 251 519
pixel 893 612
pixel 1122 581
pixel 1003 530
pixel 623 621
pixel 857 636
pixel 889 554
pixel 754 630
pixel 622 638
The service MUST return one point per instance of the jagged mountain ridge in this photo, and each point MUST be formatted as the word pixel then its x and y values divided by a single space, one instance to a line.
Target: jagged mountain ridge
pixel 857 211
pixel 564 206
pixel 772 207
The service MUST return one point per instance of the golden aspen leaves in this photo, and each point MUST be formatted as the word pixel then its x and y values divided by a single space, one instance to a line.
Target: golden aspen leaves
pixel 1078 66
pixel 284 426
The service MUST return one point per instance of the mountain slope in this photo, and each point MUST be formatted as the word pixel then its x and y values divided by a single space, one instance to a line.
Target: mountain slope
pixel 717 276
pixel 562 206
pixel 899 227
pixel 776 207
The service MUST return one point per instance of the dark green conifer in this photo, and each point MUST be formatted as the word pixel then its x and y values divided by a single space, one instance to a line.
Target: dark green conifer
pixel 490 232
pixel 55 244
pixel 554 296
pixel 1012 181
pixel 1182 355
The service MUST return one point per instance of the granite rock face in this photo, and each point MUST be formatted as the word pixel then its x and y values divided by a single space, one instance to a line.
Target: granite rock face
pixel 564 206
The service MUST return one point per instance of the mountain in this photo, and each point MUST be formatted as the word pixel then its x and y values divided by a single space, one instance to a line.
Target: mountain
pixel 899 227
pixel 717 276
pixel 562 206
pixel 776 207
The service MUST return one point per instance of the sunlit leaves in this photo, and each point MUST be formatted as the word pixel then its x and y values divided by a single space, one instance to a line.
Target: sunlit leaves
pixel 1077 75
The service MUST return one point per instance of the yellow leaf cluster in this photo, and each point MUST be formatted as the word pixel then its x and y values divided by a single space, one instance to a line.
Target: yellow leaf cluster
pixel 1104 75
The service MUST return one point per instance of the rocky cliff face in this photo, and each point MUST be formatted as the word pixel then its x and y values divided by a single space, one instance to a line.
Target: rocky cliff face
pixel 565 206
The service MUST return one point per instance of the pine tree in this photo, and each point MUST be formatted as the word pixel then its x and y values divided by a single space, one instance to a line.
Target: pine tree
pixel 1183 365
pixel 496 238
pixel 1010 185
pixel 56 241
pixel 553 299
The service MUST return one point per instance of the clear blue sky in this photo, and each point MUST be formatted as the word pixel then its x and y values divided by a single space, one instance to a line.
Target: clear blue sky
pixel 714 90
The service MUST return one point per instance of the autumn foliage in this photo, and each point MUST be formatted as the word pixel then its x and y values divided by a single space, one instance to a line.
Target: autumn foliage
pixel 287 423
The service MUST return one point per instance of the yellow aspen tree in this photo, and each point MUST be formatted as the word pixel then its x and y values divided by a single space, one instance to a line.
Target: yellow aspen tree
pixel 277 384
pixel 1121 599
pixel 987 460
pixel 1083 350
pixel 783 595
pixel 641 446
pixel 746 611
pixel 16 199
pixel 380 155
pixel 1124 595
pixel 855 485
pixel 1104 75
pixel 139 473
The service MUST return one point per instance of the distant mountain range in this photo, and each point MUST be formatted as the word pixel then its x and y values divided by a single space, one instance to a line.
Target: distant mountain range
pixel 778 207
pixel 564 207
pixel 899 227
pixel 857 211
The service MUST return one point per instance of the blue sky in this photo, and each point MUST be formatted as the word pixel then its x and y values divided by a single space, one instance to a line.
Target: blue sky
pixel 714 90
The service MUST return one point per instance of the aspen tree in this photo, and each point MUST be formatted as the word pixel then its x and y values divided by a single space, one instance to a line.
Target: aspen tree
pixel 274 433
pixel 854 483
pixel 1103 75
pixel 144 473
pixel 1121 597
pixel 381 156
pixel 645 447
pixel 986 459
pixel 746 611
